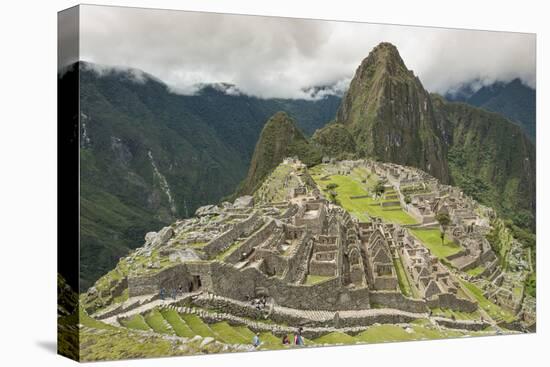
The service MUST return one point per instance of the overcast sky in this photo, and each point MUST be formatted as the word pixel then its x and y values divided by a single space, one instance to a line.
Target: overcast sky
pixel 280 57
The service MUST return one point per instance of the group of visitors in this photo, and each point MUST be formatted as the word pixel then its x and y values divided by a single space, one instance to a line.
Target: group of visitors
pixel 298 339
pixel 174 293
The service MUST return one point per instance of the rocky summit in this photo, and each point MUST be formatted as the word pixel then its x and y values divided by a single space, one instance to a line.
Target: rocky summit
pixel 391 116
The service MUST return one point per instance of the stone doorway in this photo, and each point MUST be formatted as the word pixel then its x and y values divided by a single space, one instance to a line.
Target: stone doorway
pixel 195 284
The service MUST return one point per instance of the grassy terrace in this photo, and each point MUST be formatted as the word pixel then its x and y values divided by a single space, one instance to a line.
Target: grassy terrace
pixel 156 321
pixel 198 326
pixel 137 322
pixel 392 333
pixel 361 208
pixel 443 312
pixel 314 279
pixel 431 238
pixel 177 324
pixel 476 271
pixel 496 312
pixel 402 278
pixel 100 340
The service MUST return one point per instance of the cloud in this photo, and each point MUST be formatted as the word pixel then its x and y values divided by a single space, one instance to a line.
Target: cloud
pixel 284 57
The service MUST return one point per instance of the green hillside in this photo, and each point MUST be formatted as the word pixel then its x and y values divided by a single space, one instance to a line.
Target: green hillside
pixel 149 156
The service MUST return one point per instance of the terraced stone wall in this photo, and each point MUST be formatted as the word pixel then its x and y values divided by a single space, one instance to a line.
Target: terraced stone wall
pixel 451 301
pixel 227 238
pixel 256 239
pixel 389 299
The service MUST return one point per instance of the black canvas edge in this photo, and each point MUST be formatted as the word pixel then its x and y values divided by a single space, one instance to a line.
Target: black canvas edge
pixel 68 177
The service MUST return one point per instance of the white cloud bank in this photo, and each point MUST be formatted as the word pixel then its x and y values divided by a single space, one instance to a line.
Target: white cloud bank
pixel 284 57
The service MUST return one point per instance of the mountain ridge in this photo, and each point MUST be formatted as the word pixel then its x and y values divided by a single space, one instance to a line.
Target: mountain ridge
pixel 514 100
pixel 149 156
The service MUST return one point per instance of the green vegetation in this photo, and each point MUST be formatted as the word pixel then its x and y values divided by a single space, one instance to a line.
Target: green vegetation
pixel 448 313
pixel 335 141
pixel 197 325
pixel 124 120
pixel 495 311
pixel 177 324
pixel 476 271
pixel 379 188
pixel 444 220
pixel 531 285
pixel 136 322
pixel 514 100
pixel 431 238
pixel 364 207
pixel 280 138
pixel 490 162
pixel 388 333
pixel 314 279
pixel 99 341
pixel 367 112
pixel 157 322
pixel 227 333
pixel 391 333
pixel 270 341
pixel 336 338
pixel 402 278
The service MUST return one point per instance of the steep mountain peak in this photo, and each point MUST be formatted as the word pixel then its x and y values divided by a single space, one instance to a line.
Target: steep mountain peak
pixel 385 58
pixel 390 114
pixel 280 138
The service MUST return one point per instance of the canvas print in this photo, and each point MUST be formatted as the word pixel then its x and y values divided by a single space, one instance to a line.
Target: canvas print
pixel 234 183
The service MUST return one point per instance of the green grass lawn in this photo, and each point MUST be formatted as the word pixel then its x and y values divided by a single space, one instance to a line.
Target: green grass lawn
pixel 243 330
pixel 156 322
pixel 363 208
pixel 336 338
pixel 388 333
pixel 476 271
pixel 228 334
pixel 444 312
pixel 270 339
pixel 178 325
pixel 495 311
pixel 314 279
pixel 402 278
pixel 137 322
pixel 198 326
pixel 431 238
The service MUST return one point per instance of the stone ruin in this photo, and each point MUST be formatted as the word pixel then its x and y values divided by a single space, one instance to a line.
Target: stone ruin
pixel 306 254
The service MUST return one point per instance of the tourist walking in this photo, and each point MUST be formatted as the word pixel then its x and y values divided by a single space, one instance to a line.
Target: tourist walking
pixel 162 294
pixel 298 340
pixel 256 340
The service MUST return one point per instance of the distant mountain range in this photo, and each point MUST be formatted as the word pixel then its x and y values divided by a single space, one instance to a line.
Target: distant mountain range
pixel 514 100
